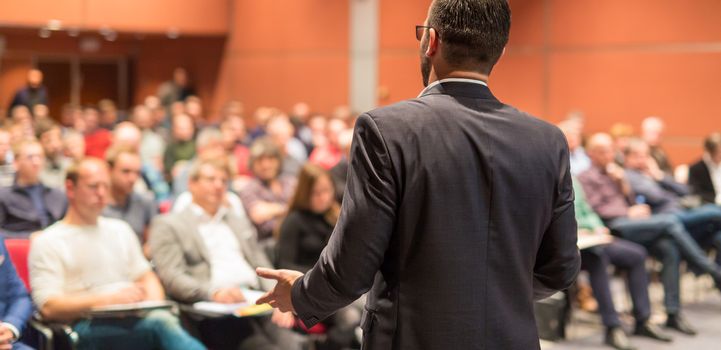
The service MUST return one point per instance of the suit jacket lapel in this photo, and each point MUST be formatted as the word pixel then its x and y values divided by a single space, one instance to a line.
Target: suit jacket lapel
pixel 190 225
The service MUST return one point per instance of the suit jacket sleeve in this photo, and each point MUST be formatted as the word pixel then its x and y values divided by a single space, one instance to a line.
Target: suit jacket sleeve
pixel 558 260
pixel 170 263
pixel 348 264
pixel 19 307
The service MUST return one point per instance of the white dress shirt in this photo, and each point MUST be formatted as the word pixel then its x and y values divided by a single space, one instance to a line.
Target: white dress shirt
pixel 228 266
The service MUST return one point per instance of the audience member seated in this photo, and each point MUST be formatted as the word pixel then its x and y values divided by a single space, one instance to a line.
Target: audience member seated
pixel 300 113
pixel 317 125
pixel 304 233
pixel 68 115
pixel 610 195
pixel 15 304
pixel 87 261
pixel 51 138
pixel 7 170
pixel 267 195
pixel 127 135
pixel 160 120
pixel 261 117
pixel 328 155
pixel 28 205
pixel 109 116
pixel 74 146
pixel 182 146
pixel 624 255
pixel 22 124
pixel 652 133
pixel 207 253
pixel 123 202
pixel 280 131
pixel 194 108
pixel 234 141
pixel 664 195
pixel 704 176
pixel 97 139
pixel 578 157
pixel 41 112
pixel 152 145
pixel 621 133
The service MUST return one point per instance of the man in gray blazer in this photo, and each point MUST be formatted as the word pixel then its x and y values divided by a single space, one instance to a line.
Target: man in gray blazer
pixel 208 253
pixel 458 211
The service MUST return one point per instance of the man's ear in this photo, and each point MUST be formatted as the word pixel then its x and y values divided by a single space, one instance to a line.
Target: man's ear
pixel 432 42
pixel 69 188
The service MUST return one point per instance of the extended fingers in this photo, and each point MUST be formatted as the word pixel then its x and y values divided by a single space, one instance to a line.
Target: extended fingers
pixel 268 273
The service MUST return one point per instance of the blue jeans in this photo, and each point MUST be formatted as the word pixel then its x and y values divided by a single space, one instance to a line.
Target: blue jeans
pixel 649 232
pixel 159 329
pixel 704 225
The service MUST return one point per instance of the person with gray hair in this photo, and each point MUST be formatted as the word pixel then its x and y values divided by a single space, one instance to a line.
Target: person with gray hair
pixel 267 195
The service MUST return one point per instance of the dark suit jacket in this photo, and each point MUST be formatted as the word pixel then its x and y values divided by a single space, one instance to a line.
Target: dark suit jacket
pixel 700 183
pixel 15 304
pixel 458 212
pixel 18 216
pixel 183 262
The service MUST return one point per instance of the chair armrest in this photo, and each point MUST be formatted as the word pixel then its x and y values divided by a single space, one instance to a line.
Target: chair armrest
pixel 57 335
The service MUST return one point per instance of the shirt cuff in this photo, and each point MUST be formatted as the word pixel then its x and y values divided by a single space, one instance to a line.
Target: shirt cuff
pixel 14 330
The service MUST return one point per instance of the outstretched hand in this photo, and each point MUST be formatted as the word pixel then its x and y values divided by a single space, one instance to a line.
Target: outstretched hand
pixel 279 296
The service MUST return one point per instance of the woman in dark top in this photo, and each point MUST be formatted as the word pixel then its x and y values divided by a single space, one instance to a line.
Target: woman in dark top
pixel 304 233
pixel 312 214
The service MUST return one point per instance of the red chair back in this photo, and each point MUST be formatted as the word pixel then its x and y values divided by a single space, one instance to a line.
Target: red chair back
pixel 317 329
pixel 18 250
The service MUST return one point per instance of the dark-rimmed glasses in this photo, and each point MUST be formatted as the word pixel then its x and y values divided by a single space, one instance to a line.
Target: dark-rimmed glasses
pixel 419 31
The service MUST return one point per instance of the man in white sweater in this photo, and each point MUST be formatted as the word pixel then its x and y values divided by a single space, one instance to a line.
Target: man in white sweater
pixel 86 261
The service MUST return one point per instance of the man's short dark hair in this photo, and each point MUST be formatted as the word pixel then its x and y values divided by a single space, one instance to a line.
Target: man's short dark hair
pixel 473 32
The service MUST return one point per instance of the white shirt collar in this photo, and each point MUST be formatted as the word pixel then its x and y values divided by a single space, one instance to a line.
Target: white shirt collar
pixel 452 80
pixel 203 215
